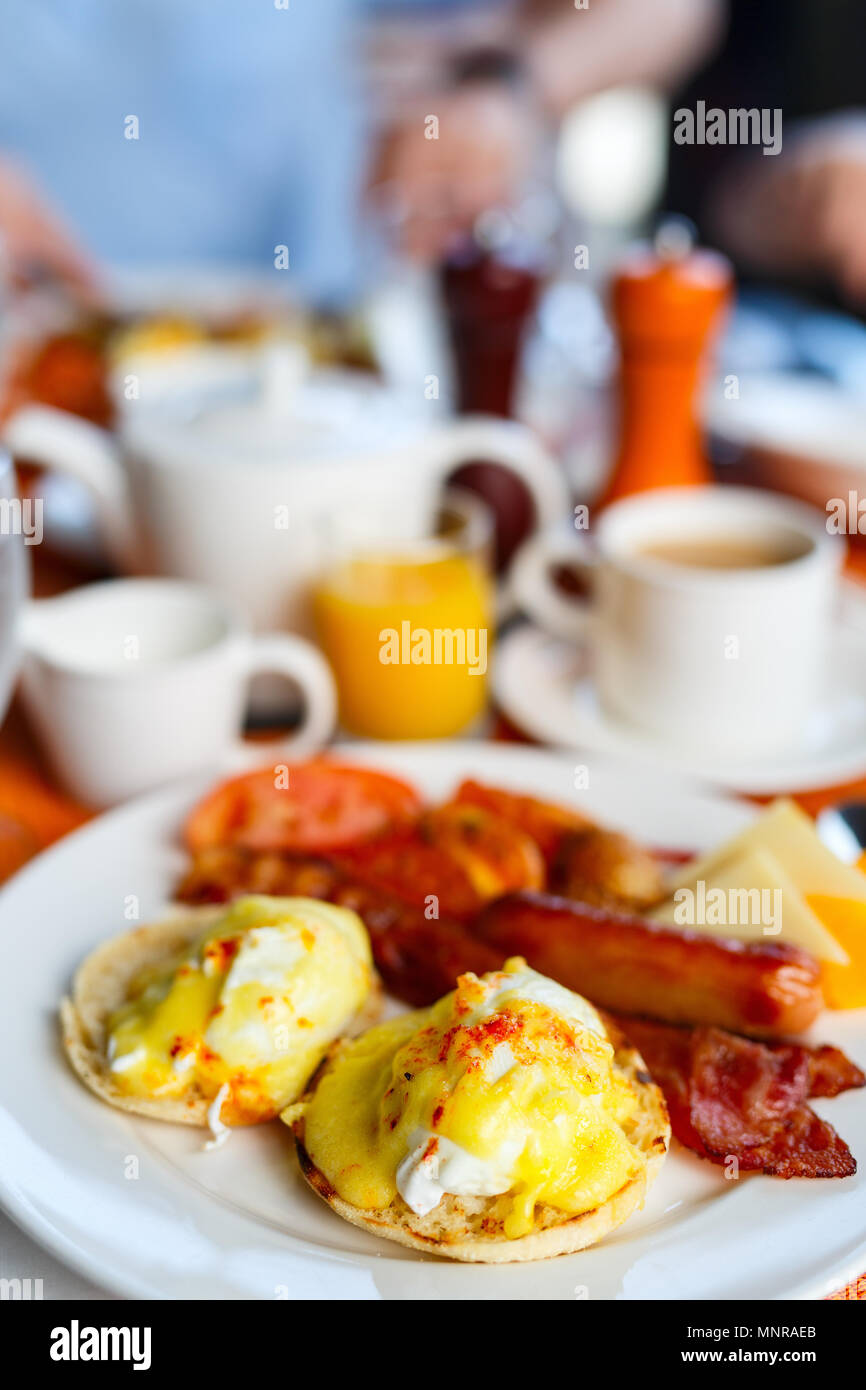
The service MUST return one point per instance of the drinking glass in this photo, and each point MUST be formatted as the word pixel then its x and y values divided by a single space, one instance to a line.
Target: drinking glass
pixel 408 627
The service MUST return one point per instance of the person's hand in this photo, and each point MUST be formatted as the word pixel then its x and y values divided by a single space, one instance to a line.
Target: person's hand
pixel 431 190
pixel 804 211
pixel 828 191
pixel 33 240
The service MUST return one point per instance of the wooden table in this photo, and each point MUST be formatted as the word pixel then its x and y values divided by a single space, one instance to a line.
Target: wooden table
pixel 34 812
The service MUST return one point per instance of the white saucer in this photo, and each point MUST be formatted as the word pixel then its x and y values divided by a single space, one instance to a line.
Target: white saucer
pixel 544 687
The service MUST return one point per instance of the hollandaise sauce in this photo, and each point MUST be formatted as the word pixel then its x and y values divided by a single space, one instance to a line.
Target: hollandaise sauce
pixel 506 1086
pixel 250 1007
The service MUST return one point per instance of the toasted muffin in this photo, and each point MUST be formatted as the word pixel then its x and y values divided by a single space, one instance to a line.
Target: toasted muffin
pixel 107 980
pixel 475 1228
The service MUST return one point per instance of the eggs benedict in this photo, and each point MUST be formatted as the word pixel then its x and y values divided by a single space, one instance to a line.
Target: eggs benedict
pixel 219 1016
pixel 506 1122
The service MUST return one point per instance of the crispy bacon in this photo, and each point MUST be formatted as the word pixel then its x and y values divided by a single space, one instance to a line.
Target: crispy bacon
pixel 805 1146
pixel 742 1092
pixel 630 965
pixel 831 1072
pixel 731 1097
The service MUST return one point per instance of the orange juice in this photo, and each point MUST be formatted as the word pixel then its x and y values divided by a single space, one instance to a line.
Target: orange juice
pixel 408 639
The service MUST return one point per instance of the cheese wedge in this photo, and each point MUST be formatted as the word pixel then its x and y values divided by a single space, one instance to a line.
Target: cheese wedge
pixel 748 882
pixel 790 836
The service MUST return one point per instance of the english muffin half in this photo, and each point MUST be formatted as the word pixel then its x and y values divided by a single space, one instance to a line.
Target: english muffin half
pixel 268 984
pixel 613 1110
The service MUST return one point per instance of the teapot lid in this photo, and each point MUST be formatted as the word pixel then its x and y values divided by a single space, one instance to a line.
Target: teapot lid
pixel 282 409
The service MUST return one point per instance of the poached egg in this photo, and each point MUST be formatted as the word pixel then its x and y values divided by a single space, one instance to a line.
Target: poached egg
pixel 246 1014
pixel 505 1088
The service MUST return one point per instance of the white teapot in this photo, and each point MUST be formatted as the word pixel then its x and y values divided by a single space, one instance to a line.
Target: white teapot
pixel 233 488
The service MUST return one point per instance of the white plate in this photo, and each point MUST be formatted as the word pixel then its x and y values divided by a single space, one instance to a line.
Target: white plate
pixel 240 1223
pixel 544 687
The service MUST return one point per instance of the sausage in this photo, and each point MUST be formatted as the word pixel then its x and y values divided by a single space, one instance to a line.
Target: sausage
pixel 629 965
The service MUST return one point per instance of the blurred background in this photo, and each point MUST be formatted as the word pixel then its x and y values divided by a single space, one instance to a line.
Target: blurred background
pixel 297 230
pixel 404 154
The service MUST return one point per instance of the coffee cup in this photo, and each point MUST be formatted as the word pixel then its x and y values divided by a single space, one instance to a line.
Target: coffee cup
pixel 708 616
pixel 134 683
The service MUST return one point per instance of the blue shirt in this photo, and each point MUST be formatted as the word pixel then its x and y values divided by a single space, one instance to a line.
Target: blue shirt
pixel 250 128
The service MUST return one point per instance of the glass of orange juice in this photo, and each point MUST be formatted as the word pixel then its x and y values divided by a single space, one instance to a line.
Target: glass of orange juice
pixel 408 626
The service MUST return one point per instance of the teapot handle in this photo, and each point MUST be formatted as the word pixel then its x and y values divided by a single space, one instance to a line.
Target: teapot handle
pixel 513 446
pixel 63 442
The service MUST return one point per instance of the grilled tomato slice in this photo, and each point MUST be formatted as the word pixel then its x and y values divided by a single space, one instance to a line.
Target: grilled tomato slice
pixel 317 805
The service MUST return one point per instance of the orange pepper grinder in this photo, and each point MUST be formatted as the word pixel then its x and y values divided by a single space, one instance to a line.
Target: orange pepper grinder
pixel 667 305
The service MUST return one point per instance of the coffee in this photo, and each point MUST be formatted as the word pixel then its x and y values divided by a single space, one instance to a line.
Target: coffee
pixel 728 552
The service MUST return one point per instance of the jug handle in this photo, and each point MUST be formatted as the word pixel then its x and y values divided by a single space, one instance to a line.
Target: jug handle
pixel 512 446
pixel 59 441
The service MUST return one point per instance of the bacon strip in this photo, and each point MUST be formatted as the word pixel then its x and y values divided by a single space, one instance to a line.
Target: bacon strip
pixel 731 1097
pixel 804 1147
pixel 831 1072
pixel 740 1092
